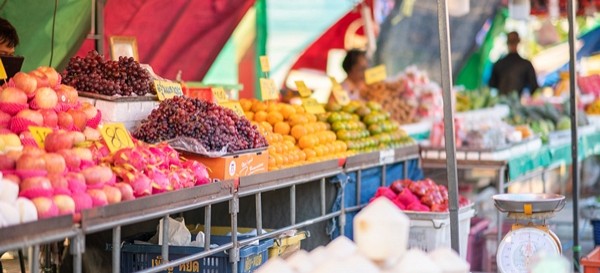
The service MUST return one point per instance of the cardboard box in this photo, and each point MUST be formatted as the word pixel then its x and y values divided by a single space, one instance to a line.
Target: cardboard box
pixel 233 165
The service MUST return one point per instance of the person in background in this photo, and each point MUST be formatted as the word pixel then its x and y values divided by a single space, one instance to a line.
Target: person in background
pixel 512 72
pixel 9 39
pixel 355 64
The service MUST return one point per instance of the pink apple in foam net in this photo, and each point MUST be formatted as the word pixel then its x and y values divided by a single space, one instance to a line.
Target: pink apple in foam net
pixel 91 134
pixel 57 141
pixel 55 163
pixel 65 204
pixel 41 78
pixel 98 197
pixel 32 150
pixel 4 119
pixel 51 74
pixel 113 194
pixel 78 137
pixel 82 201
pixel 45 98
pixel 60 184
pixel 45 207
pixel 76 182
pixel 126 191
pixel 89 110
pixel 13 95
pixel 65 120
pixel 71 158
pixel 79 119
pixel 84 153
pixel 7 163
pixel 12 177
pixel 36 187
pixel 31 162
pixel 50 118
pixel 31 115
pixel 25 82
pixel 67 94
pixel 97 176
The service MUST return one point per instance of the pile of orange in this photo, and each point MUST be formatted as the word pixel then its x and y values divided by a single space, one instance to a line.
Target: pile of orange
pixel 295 137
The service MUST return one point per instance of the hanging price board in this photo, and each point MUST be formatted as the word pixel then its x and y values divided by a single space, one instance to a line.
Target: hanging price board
pixel 39 134
pixel 167 90
pixel 234 106
pixel 312 106
pixel 375 74
pixel 219 94
pixel 264 64
pixel 302 89
pixel 116 136
pixel 268 89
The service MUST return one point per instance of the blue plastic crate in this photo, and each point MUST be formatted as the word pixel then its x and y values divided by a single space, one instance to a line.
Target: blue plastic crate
pixel 596 227
pixel 136 257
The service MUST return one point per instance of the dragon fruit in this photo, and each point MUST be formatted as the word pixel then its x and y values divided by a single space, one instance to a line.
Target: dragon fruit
pixel 198 170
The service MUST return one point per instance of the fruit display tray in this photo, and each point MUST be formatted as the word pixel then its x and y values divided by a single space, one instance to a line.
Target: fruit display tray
pixel 117 98
pixel 490 154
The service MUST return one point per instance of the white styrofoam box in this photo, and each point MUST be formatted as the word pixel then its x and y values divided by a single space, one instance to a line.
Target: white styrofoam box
pixel 129 125
pixel 430 230
pixel 433 154
pixel 90 100
pixel 125 111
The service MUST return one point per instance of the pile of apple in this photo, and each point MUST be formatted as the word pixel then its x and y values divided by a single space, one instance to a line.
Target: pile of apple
pixel 38 98
pixel 421 196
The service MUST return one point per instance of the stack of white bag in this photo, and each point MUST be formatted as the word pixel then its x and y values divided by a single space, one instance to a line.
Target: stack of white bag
pixel 14 209
pixel 381 234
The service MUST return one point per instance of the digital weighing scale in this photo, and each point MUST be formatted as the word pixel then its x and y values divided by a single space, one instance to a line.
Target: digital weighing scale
pixel 530 234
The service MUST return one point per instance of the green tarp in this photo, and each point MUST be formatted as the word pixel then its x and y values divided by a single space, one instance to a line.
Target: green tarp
pixel 33 21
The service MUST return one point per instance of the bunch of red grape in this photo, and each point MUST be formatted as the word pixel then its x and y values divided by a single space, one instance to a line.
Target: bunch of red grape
pixel 93 73
pixel 213 126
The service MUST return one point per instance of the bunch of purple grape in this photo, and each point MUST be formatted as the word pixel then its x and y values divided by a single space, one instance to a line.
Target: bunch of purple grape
pixel 93 73
pixel 213 126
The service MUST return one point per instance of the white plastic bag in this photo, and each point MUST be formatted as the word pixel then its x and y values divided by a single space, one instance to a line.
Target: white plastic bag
pixel 179 235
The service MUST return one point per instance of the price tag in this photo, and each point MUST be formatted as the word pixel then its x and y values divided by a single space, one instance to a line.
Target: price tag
pixel 219 94
pixel 302 89
pixel 116 136
pixel 375 74
pixel 264 64
pixel 167 90
pixel 2 71
pixel 312 106
pixel 387 156
pixel 339 94
pixel 268 89
pixel 39 134
pixel 235 107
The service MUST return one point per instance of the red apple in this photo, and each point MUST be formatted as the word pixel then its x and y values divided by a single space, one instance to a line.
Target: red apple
pixel 7 163
pixel 83 153
pixel 98 197
pixel 57 141
pixel 40 77
pixel 33 150
pixel 96 176
pixel 67 94
pixel 45 207
pixel 13 95
pixel 59 183
pixel 50 118
pixel 51 74
pixel 45 98
pixel 31 115
pixel 65 204
pixel 89 110
pixel 35 187
pixel 78 137
pixel 55 163
pixel 14 155
pixel 65 121
pixel 31 162
pixel 76 182
pixel 4 119
pixel 91 134
pixel 71 158
pixel 25 82
pixel 113 194
pixel 126 191
pixel 79 119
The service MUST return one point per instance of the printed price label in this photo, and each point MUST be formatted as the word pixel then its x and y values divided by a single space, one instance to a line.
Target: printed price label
pixel 339 94
pixel 167 90
pixel 2 71
pixel 375 74
pixel 302 89
pixel 116 136
pixel 264 64
pixel 312 106
pixel 268 89
pixel 219 94
pixel 387 156
pixel 235 107
pixel 39 134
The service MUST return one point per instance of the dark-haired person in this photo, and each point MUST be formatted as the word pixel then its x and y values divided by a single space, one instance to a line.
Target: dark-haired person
pixel 9 39
pixel 355 64
pixel 512 72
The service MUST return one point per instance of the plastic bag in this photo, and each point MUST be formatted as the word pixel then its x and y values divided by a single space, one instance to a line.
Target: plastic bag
pixel 179 235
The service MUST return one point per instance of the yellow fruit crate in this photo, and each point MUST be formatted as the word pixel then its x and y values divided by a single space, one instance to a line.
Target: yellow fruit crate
pixel 286 246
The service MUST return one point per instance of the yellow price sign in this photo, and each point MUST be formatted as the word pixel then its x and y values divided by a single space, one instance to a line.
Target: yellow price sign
pixel 268 89
pixel 219 94
pixel 235 107
pixel 264 64
pixel 312 106
pixel 302 89
pixel 39 134
pixel 167 89
pixel 375 74
pixel 116 136
pixel 3 74
pixel 339 94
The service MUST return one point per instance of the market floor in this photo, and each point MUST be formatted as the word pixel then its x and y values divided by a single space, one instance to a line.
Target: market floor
pixel 11 265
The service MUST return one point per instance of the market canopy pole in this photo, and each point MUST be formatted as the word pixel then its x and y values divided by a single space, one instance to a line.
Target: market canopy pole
pixel 446 69
pixel 574 136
